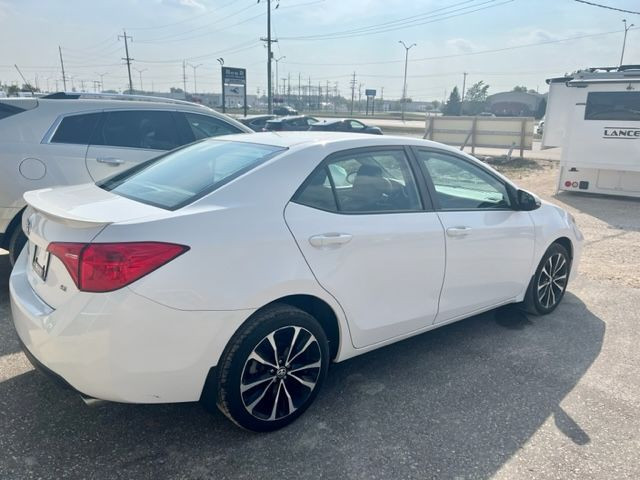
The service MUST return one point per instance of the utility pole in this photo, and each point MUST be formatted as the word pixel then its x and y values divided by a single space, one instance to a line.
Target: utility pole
pixel 288 88
pixel 82 85
pixel 195 85
pixel 464 84
pixel 127 57
pixel 406 61
pixel 381 99
pixel 353 91
pixel 64 76
pixel 326 91
pixel 624 41
pixel 184 78
pixel 299 87
pixel 335 98
pixel 309 95
pixel 360 96
pixel 140 72
pixel 269 41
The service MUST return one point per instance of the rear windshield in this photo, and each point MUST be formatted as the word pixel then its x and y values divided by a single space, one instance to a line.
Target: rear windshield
pixel 181 177
pixel 8 110
pixel 613 106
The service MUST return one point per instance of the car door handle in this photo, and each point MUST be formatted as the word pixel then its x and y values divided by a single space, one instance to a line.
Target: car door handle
pixel 327 239
pixel 458 231
pixel 110 161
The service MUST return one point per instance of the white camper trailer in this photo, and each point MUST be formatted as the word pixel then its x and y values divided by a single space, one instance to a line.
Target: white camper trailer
pixel 594 115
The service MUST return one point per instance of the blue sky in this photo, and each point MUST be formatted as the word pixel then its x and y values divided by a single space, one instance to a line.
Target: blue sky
pixel 167 31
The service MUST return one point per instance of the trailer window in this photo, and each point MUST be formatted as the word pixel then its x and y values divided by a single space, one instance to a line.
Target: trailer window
pixel 613 106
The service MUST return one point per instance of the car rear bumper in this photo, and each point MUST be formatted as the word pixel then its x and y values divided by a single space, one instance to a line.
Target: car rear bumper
pixel 120 346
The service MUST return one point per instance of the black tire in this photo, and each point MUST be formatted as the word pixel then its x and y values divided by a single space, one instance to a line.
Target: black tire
pixel 17 241
pixel 301 362
pixel 548 285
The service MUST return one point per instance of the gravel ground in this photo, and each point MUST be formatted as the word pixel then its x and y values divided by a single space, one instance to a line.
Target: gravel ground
pixel 500 395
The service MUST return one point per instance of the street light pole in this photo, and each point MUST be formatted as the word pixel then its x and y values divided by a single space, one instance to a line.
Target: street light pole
pixel 195 85
pixel 277 77
pixel 624 41
pixel 140 72
pixel 406 61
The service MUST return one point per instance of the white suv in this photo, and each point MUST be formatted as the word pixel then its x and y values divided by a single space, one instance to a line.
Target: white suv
pixel 65 139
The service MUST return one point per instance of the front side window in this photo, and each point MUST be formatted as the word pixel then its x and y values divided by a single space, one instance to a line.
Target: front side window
pixel 461 185
pixel 203 126
pixel 621 106
pixel 185 175
pixel 76 129
pixel 363 182
pixel 355 125
pixel 148 129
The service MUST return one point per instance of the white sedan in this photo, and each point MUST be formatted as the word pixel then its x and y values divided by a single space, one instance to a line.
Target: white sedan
pixel 233 270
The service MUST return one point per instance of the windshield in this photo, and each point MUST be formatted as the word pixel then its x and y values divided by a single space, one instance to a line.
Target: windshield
pixel 183 176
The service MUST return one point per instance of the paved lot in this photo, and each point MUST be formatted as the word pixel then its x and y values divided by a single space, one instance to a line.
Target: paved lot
pixel 499 395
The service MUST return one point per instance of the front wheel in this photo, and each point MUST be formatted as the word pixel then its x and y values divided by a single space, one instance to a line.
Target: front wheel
pixel 272 369
pixel 549 283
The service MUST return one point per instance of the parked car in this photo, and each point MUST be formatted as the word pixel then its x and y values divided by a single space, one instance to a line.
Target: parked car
pixel 64 139
pixel 290 124
pixel 346 125
pixel 285 110
pixel 234 270
pixel 540 127
pixel 257 122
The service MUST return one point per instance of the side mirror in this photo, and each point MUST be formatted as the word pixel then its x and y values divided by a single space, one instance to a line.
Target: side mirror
pixel 527 201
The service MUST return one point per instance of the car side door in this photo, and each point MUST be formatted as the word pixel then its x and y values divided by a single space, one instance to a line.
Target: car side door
pixel 64 148
pixel 125 138
pixel 364 223
pixel 489 244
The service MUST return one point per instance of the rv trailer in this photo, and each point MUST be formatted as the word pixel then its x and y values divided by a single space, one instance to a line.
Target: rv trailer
pixel 594 115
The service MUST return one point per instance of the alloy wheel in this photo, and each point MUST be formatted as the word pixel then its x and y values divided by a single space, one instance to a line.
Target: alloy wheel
pixel 280 373
pixel 552 280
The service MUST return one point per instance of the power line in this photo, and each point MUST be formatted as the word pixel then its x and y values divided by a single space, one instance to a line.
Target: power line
pixel 607 7
pixel 479 52
pixel 403 24
pixel 194 17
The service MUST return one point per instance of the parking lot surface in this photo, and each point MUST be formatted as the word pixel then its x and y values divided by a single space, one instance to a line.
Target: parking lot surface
pixel 500 395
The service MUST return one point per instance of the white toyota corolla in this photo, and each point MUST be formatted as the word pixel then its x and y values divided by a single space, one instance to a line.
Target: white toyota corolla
pixel 232 271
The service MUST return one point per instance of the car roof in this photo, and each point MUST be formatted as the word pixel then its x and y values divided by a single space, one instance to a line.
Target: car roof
pixel 308 138
pixel 288 117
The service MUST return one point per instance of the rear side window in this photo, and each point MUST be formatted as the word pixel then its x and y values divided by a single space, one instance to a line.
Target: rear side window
pixel 203 126
pixel 148 129
pixel 317 192
pixel 182 177
pixel 76 129
pixel 8 110
pixel 369 181
pixel 613 106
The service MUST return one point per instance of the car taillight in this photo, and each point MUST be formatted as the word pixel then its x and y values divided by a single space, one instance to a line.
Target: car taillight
pixel 104 267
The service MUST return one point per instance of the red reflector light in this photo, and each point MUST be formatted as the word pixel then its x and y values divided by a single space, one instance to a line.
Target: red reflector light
pixel 104 267
pixel 567 183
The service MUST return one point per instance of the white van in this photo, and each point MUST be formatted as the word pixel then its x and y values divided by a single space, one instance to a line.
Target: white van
pixel 594 115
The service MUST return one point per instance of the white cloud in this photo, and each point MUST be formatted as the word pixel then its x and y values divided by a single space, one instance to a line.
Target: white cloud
pixel 461 45
pixel 185 4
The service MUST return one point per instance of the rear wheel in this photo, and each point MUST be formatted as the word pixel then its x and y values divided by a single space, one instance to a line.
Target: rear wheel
pixel 549 283
pixel 17 241
pixel 272 369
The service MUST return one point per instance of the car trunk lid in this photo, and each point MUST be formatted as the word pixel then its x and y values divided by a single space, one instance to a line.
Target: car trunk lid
pixel 69 214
